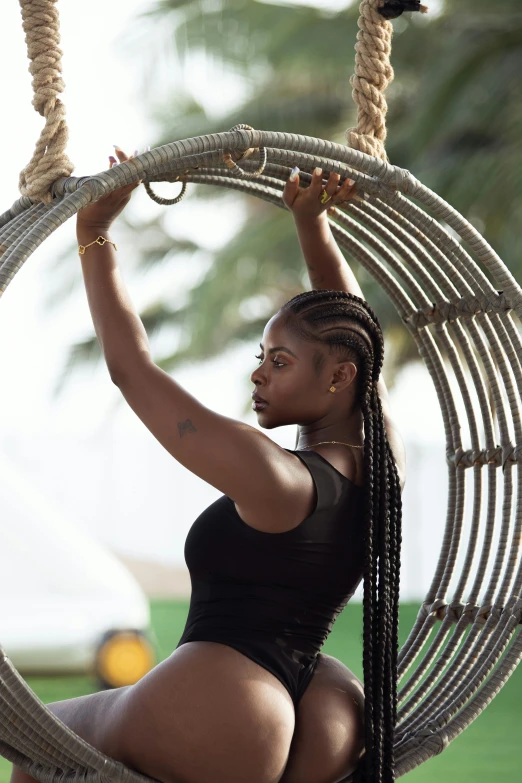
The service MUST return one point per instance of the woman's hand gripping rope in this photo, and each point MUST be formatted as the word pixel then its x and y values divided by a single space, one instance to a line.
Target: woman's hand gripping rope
pixel 312 201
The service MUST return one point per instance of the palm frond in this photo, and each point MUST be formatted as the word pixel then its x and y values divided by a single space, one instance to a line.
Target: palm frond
pixel 454 120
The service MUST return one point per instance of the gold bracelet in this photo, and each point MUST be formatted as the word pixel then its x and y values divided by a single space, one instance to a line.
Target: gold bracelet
pixel 99 241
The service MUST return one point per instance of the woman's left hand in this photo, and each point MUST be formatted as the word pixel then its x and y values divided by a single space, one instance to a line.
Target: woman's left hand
pixel 103 212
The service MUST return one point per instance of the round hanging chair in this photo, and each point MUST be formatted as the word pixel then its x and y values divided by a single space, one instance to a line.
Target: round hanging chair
pixel 431 262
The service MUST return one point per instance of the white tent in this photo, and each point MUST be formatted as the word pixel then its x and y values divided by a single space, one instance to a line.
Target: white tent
pixel 61 590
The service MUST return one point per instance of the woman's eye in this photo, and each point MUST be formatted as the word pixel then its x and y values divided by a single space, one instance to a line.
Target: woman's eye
pixel 275 363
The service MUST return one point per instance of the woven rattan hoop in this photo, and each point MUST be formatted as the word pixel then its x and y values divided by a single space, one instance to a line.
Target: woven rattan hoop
pixel 462 307
pixel 459 301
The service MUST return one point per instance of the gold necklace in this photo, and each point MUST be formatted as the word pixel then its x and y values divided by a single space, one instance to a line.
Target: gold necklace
pixel 332 441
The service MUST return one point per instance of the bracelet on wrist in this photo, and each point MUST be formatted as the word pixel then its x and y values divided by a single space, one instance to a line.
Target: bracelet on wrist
pixel 98 241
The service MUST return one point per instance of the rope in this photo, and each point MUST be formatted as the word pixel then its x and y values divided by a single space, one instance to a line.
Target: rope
pixel 373 72
pixel 49 162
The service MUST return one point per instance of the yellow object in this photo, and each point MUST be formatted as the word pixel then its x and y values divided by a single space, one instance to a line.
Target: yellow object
pixel 98 241
pixel 124 659
pixel 325 198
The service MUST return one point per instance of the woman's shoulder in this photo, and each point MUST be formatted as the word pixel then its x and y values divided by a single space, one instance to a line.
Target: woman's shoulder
pixel 342 459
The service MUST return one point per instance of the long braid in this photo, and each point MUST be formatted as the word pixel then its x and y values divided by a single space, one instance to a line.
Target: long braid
pixel 346 323
pixel 379 585
pixel 385 590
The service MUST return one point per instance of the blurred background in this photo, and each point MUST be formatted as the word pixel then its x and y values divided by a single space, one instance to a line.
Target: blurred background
pixel 95 509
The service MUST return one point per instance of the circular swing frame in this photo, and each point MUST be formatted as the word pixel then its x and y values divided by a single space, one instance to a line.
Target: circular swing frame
pixel 431 267
pixel 431 263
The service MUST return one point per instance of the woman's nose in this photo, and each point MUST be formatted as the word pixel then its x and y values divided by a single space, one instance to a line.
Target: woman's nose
pixel 256 375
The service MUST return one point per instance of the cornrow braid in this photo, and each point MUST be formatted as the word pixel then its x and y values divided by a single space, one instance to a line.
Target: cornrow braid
pixel 346 323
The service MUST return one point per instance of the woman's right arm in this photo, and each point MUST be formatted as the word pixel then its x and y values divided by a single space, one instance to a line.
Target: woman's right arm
pixel 329 269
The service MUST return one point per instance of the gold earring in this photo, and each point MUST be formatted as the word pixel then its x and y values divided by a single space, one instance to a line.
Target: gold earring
pixel 332 388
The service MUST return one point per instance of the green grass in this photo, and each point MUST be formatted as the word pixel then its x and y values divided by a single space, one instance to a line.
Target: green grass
pixel 487 750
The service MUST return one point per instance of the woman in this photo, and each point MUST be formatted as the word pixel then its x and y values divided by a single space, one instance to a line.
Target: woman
pixel 247 695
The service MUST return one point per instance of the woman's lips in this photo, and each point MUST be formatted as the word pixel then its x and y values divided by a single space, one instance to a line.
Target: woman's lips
pixel 258 404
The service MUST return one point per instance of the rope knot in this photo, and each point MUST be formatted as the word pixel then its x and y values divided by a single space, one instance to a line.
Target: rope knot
pixel 49 161
pixel 373 72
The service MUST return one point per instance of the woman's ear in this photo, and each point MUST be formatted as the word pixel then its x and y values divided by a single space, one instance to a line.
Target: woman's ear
pixel 345 374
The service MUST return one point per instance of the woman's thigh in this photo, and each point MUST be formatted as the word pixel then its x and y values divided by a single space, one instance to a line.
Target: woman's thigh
pixel 207 712
pixel 91 717
pixel 329 728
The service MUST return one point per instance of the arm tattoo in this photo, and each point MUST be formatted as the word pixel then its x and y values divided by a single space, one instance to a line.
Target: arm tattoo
pixel 315 278
pixel 185 426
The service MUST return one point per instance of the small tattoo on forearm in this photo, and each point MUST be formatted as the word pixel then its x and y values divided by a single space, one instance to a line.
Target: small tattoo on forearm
pixel 185 426
pixel 315 279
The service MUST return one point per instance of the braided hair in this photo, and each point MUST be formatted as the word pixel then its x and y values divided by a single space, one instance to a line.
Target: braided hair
pixel 347 325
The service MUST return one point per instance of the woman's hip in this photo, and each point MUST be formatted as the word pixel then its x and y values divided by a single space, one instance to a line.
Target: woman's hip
pixel 206 709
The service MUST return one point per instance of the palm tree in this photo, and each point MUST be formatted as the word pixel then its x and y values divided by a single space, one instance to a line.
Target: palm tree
pixel 454 119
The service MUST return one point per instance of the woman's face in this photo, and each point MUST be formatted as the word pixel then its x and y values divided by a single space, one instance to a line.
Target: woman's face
pixel 287 381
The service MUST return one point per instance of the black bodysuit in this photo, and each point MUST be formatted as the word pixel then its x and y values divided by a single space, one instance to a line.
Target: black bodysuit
pixel 275 596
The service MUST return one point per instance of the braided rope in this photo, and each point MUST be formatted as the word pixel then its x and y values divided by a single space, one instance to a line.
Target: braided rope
pixel 373 73
pixel 49 162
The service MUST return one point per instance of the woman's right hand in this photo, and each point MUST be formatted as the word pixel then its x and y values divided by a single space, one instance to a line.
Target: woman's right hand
pixel 305 203
pixel 103 212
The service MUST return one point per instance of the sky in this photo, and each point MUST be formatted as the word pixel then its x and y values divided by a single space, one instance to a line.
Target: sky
pixel 105 102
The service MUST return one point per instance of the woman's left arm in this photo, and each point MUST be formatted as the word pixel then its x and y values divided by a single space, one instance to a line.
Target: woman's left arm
pixel 118 327
pixel 235 458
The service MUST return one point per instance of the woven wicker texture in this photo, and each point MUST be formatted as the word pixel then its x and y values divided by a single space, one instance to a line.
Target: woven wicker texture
pixel 462 307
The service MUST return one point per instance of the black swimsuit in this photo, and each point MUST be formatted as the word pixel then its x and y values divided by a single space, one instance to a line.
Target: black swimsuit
pixel 275 596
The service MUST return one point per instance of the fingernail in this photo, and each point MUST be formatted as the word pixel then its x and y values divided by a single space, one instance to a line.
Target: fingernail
pixel 147 148
pixel 318 171
pixel 115 146
pixel 293 174
pixel 351 183
pixel 136 153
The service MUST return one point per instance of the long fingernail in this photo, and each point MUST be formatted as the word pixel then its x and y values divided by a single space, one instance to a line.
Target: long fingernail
pixel 136 153
pixel 147 148
pixel 351 183
pixel 116 147
pixel 293 174
pixel 318 171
